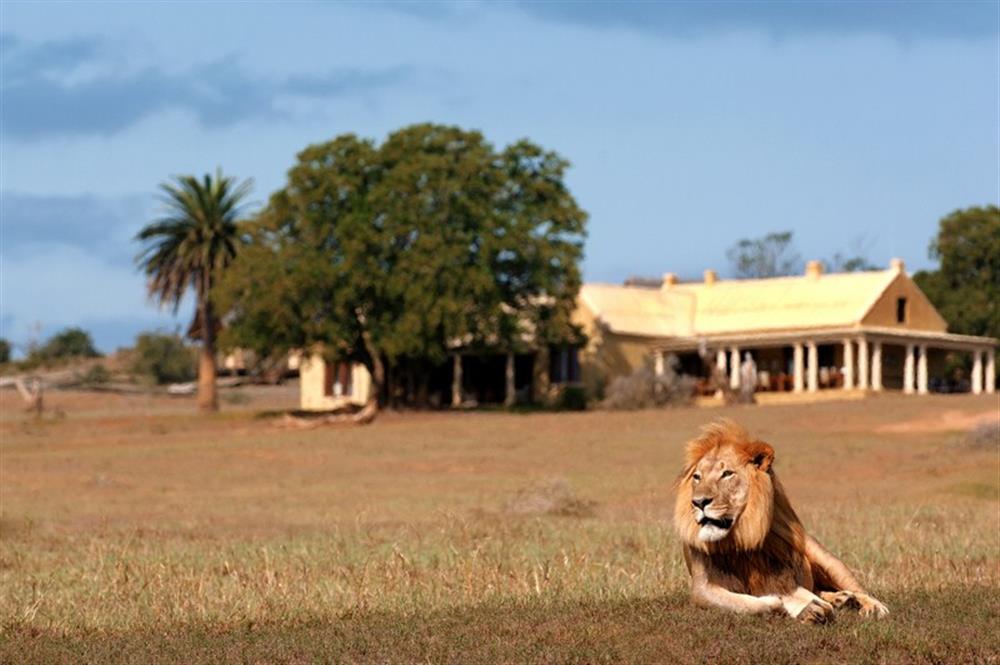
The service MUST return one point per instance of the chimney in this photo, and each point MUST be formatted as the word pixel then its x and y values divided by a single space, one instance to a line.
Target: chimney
pixel 669 279
pixel 897 265
pixel 711 277
pixel 814 269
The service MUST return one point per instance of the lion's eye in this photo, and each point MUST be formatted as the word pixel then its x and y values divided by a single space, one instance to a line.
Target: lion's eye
pixel 727 473
pixel 697 476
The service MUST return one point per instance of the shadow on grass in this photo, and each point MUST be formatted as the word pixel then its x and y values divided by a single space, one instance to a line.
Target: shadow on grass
pixel 952 626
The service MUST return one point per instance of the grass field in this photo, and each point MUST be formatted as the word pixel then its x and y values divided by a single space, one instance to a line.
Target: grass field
pixel 133 530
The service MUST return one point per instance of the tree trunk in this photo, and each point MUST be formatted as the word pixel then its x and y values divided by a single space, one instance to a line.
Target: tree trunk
pixel 207 396
pixel 370 410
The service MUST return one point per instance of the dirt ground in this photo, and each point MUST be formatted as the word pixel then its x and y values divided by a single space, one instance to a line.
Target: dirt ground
pixel 134 530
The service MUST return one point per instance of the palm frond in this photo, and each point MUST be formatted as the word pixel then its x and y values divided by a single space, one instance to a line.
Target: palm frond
pixel 195 239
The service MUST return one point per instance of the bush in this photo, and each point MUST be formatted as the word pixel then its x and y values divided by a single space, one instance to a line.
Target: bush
pixel 4 351
pixel 551 496
pixel 162 358
pixel 69 343
pixel 572 398
pixel 985 435
pixel 95 376
pixel 643 389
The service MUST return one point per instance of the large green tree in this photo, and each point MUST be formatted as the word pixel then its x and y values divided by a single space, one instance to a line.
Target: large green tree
pixel 966 286
pixel 188 248
pixel 398 251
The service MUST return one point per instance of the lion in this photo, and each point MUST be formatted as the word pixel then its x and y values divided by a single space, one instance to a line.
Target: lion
pixel 744 546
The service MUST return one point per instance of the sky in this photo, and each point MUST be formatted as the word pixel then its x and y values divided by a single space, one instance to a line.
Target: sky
pixel 688 125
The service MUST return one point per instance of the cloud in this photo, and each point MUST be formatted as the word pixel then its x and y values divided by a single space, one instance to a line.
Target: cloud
pixel 901 20
pixel 44 59
pixel 100 227
pixel 40 101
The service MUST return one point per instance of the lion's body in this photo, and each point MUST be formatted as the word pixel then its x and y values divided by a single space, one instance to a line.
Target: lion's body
pixel 744 545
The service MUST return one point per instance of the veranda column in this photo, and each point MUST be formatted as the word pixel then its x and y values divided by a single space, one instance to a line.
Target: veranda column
pixel 813 367
pixel 877 366
pixel 797 373
pixel 991 370
pixel 848 364
pixel 658 366
pixel 977 371
pixel 734 367
pixel 509 393
pixel 863 364
pixel 456 380
pixel 922 371
pixel 720 363
pixel 908 371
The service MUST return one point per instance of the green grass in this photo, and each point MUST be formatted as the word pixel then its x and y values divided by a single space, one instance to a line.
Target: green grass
pixel 130 532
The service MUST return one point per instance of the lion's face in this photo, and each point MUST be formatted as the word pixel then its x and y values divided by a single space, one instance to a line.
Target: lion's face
pixel 719 489
pixel 725 490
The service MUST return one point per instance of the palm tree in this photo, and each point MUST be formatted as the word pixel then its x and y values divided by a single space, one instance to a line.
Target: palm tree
pixel 189 247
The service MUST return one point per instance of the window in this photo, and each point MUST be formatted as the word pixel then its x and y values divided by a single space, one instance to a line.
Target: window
pixel 337 379
pixel 564 364
pixel 900 310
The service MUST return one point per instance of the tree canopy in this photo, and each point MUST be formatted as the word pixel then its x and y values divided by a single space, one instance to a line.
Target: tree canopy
pixel 773 255
pixel 404 249
pixel 966 286
pixel 67 343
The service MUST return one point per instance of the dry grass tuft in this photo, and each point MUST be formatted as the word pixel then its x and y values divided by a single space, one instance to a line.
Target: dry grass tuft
pixel 985 435
pixel 551 496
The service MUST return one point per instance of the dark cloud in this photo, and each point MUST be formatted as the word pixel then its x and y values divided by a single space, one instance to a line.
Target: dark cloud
pixel 37 103
pixel 902 20
pixel 21 61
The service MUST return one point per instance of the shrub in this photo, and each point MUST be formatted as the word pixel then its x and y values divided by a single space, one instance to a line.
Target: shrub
pixel 235 397
pixel 4 351
pixel 162 358
pixel 572 398
pixel 985 435
pixel 643 389
pixel 551 496
pixel 95 376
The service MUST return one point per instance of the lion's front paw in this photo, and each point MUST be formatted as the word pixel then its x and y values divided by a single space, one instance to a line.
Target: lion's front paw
pixel 871 607
pixel 841 599
pixel 816 612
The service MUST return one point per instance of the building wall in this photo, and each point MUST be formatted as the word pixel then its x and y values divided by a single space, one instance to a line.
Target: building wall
pixel 921 314
pixel 607 355
pixel 312 375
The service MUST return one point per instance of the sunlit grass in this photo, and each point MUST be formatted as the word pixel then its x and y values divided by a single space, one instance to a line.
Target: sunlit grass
pixel 160 533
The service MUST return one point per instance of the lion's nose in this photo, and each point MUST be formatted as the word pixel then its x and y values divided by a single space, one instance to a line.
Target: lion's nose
pixel 701 502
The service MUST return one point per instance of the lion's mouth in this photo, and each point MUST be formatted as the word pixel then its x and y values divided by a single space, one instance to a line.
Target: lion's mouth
pixel 719 522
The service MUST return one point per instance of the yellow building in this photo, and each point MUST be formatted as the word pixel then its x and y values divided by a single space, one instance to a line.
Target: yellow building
pixel 861 331
pixel 850 331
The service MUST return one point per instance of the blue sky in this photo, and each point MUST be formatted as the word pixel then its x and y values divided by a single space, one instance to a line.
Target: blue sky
pixel 689 125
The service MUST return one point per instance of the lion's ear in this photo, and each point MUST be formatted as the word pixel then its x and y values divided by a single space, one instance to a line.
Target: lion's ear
pixel 761 455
